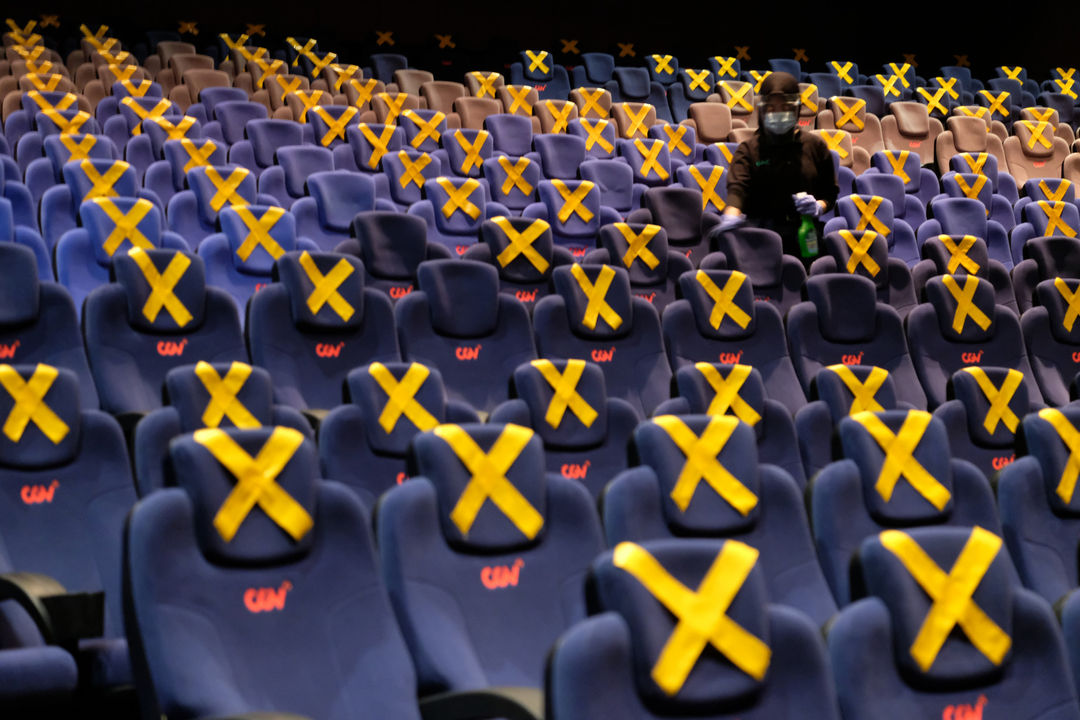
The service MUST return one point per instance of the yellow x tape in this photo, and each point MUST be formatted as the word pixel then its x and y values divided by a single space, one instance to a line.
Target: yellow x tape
pixel 326 286
pixel 565 394
pixel 162 286
pixel 864 393
pixel 223 402
pixel 726 392
pixel 521 243
pixel 29 397
pixel 899 460
pixel 724 304
pixel 596 297
pixel 401 397
pixel 702 462
pixel 999 398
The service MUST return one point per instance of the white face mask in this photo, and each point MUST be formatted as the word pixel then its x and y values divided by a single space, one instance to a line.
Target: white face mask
pixel 778 123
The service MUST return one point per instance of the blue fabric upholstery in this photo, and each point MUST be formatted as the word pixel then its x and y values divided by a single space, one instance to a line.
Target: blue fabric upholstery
pixel 1053 343
pixel 758 252
pixel 391 245
pixel 520 274
pixel 891 276
pixel 654 269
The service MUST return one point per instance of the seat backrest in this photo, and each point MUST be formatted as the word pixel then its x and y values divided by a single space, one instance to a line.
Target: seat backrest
pixel 216 187
pixel 599 136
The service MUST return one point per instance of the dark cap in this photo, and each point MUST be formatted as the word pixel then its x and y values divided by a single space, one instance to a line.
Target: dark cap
pixel 779 83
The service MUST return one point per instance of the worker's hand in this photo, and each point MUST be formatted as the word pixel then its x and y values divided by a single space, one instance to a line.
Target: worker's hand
pixel 806 204
pixel 729 221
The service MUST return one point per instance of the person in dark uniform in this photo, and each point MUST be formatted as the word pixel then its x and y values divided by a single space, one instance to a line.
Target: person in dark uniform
pixel 781 173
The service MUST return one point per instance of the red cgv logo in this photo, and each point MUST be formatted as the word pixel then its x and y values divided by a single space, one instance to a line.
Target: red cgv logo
pixel 38 494
pixel 965 712
pixel 915 143
pixel 167 348
pixel 688 253
pixel 7 352
pixel 401 477
pixel 260 286
pixel 603 355
pixel 851 359
pixel 501 576
pixel 326 350
pixel 1003 461
pixel 731 358
pixel 806 122
pixel 468 353
pixel 651 297
pixel 972 357
pixel 460 249
pixel 575 471
pixel 526 295
pixel 400 291
pixel 540 88
pixel 1076 357
pixel 259 600
pixel 1039 163
pixel 578 252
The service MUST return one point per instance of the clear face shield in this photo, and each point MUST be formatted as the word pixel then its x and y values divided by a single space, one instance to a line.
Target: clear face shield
pixel 779 112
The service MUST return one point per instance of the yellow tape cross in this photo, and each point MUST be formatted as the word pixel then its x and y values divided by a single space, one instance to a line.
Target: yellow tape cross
pixel 1055 196
pixel 565 394
pixel 863 394
pixel 965 305
pixel 978 112
pixel 514 175
pixel 67 127
pixel 336 128
pixel 737 97
pixel 259 232
pixel 976 162
pixel 226 189
pixel 412 170
pixel 702 614
pixel 319 64
pixel 897 160
pixel 223 391
pixel 256 481
pixel 662 64
pixel 675 141
pixel 971 191
pixel 1072 302
pixel 726 66
pixel 637 120
pixel 78 150
pixel 888 84
pixel 708 186
pixel 860 252
pixel 807 97
pixel 726 392
pixel 16 30
pixel 233 44
pixel 759 77
pixel 197 156
pixel 948 85
pixel 999 398
pixel 958 254
pixel 699 79
pixel 638 245
pixel 101 185
pixel 287 86
pixel 126 224
pixel 536 60
pixel 702 462
pixel 1012 73
pixel 178 131
pixel 1053 218
pixel 595 132
pixel 1037 130
pixel 572 201
pixel 868 214
pixel 570 46
pixel 850 113
pixel 561 117
pixel 343 74
pixel 899 461
pixel 487 83
pixel 379 144
pixel 394 104
pixel 162 286
pixel 951 595
pixel 364 91
pixel 326 286
pixel 301 50
pixel 596 296
pixel 1041 114
pixel 489 479
pixel 47 85
pixel 724 304
pixel 901 72
pixel 472 150
pixel 1071 438
pixel 521 243
pixel 843 71
pixel 835 142
pixel 1065 87
pixel 458 197
pixel 401 397
pixel 29 397
pixel 933 102
pixel 308 100
pixel 424 128
pixel 273 69
pixel 384 38
pixel 520 97
pixel 155 112
pixel 62 104
pixel 649 157
pixel 997 102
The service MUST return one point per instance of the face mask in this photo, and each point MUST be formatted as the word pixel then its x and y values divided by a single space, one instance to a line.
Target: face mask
pixel 778 123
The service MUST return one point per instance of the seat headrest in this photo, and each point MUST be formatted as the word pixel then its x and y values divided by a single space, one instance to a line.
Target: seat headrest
pixel 539 65
pixel 860 252
pixel 92 178
pixel 922 491
pixel 165 289
pixel 450 456
pixel 1045 434
pixel 961 216
pixel 907 163
pixel 634 83
pixel 628 581
pixel 268 135
pixel 367 141
pixel 102 218
pixel 758 252
pixel 216 187
pixel 527 258
pixel 567 401
pixel 339 195
pixel 1050 189
pixel 220 395
pixel 326 290
pixel 912 118
pixel 975 161
pixel 212 466
pixel 850 389
pixel 1056 296
pixel 41 411
pixel 392 244
pixel 299 162
pixel 678 210
pixel 888 186
pixel 390 426
pixel 969 134
pixel 1054 256
pixel 598 299
pixel 722 302
pixel 424 129
pixel 258 235
pixel 234 117
pixel 511 134
pixel 598 67
pixel 872 212
pixel 458 204
pixel 981 390
pixel 602 146
pixel 640 248
pixel 649 158
pixel 182 155
pixel 573 206
pixel 1053 218
pixel 462 295
pixel 964 306
pixel 20 298
pixel 560 154
pixel 705 386
pixel 58 148
pixel 846 307
pixel 958 255
pixel 467 149
pixel 899 569
pixel 969 185
pixel 722 501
